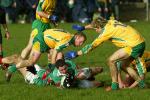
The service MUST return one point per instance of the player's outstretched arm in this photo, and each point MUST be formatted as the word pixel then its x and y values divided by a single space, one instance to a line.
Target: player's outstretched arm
pixel 73 54
pixel 81 28
pixel 70 55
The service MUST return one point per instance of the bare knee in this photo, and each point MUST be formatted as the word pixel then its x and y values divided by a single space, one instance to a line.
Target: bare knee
pixel 97 70
pixel 111 61
pixel 25 63
pixel 59 56
pixel 81 76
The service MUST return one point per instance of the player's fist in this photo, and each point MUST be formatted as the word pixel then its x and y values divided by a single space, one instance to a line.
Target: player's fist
pixel 70 55
pixel 53 18
pixel 78 27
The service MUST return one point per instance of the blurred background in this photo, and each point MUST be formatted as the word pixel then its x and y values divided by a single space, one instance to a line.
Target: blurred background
pixel 23 11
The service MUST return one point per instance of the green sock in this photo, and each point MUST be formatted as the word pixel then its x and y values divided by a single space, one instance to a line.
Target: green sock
pixel 119 65
pixel 142 84
pixel 114 86
pixel 12 68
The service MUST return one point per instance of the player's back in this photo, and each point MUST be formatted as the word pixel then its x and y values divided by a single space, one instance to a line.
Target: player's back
pixel 54 36
pixel 57 33
pixel 123 35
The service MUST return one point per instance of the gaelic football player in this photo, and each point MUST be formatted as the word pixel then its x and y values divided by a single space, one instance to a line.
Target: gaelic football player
pixel 56 39
pixel 129 81
pixel 131 43
pixel 65 75
pixel 44 16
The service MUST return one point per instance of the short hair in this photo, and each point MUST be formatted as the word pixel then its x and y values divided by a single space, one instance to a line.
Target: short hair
pixel 99 22
pixel 60 63
pixel 79 33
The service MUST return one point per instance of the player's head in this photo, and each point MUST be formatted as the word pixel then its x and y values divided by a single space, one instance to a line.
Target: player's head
pixel 98 23
pixel 61 66
pixel 80 38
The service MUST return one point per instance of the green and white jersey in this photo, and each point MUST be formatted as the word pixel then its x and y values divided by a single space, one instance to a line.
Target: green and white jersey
pixel 56 75
pixel 44 77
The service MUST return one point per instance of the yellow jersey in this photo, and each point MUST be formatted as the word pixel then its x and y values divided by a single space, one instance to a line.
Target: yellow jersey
pixel 119 34
pixel 146 58
pixel 46 6
pixel 58 39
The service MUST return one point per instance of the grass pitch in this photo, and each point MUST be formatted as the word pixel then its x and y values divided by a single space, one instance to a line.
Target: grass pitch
pixel 17 89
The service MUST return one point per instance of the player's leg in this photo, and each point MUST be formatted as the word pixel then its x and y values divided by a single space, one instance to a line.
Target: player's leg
pixel 84 73
pixel 30 73
pixel 89 84
pixel 117 56
pixel 88 73
pixel 136 77
pixel 59 55
pixel 14 59
pixel 23 63
pixel 25 52
pixel 132 73
pixel 1 50
pixel 96 70
pixel 34 56
pixel 23 71
pixel 128 80
pixel 122 83
pixel 11 59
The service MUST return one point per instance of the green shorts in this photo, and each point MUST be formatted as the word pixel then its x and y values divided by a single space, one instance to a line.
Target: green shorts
pixel 40 26
pixel 138 50
pixel 39 43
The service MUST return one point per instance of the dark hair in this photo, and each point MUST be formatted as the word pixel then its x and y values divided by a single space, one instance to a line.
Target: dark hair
pixel 79 33
pixel 60 63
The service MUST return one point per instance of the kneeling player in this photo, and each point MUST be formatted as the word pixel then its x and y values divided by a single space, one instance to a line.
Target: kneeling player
pixel 129 81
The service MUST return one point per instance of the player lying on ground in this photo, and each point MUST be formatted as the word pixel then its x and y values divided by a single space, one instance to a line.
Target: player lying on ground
pixel 65 75
pixel 56 39
pixel 131 43
pixel 129 81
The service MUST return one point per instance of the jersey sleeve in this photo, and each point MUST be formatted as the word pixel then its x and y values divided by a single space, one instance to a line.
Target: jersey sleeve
pixel 104 35
pixel 39 7
pixel 62 44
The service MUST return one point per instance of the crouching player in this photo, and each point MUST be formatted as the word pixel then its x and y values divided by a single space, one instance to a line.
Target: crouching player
pixel 56 39
pixel 130 42
pixel 129 81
